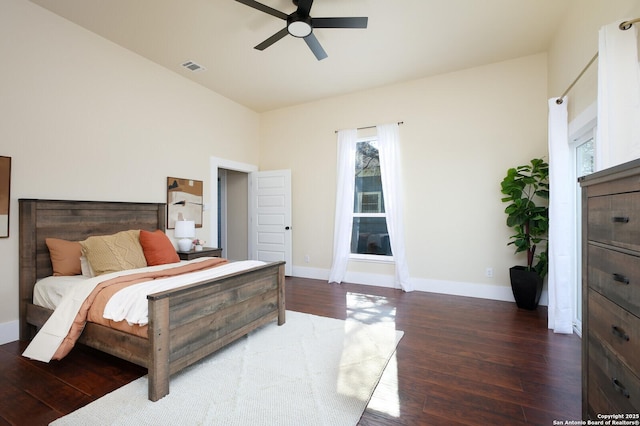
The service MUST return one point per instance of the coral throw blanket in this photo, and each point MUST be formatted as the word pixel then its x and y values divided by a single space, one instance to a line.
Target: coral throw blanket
pixel 59 334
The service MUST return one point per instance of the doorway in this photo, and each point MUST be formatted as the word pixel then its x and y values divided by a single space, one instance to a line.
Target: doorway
pixel 242 224
pixel 228 222
pixel 233 214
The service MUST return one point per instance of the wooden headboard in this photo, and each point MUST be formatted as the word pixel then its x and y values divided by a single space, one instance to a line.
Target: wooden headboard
pixel 72 221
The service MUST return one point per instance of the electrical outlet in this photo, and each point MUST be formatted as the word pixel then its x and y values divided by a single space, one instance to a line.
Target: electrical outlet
pixel 306 258
pixel 489 272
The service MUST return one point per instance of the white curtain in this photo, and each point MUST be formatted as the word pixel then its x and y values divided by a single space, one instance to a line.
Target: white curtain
pixel 561 236
pixel 618 138
pixel 344 204
pixel 388 141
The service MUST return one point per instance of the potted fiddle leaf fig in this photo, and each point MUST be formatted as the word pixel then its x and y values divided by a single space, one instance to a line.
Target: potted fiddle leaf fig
pixel 526 190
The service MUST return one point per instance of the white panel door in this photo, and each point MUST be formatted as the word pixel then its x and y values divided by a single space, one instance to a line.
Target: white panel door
pixel 270 217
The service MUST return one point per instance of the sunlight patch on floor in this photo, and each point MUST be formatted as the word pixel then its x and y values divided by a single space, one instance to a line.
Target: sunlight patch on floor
pixel 370 309
pixel 385 398
pixel 378 312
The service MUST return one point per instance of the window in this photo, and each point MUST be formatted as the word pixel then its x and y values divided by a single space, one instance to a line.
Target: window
pixel 583 152
pixel 585 156
pixel 369 234
pixel 369 202
pixel 362 234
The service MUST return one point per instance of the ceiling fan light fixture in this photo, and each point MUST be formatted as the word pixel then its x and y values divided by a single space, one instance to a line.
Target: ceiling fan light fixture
pixel 300 24
pixel 300 28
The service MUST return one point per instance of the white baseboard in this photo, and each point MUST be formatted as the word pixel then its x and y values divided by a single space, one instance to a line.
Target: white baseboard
pixel 454 288
pixel 9 332
pixel 313 273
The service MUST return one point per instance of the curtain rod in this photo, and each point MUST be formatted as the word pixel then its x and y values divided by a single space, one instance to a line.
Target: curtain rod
pixel 559 100
pixel 624 25
pixel 370 127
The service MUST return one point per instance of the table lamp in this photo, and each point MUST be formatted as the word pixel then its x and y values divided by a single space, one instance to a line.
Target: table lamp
pixel 185 230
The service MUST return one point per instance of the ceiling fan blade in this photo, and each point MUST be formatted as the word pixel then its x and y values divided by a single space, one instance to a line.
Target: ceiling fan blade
pixel 315 46
pixel 355 22
pixel 264 8
pixel 304 7
pixel 268 42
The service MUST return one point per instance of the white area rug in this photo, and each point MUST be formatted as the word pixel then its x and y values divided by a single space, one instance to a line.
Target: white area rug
pixel 310 371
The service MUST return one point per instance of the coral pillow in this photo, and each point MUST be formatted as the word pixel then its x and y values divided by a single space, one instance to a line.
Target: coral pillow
pixel 157 248
pixel 65 256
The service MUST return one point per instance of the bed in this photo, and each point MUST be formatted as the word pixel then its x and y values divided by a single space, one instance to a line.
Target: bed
pixel 185 324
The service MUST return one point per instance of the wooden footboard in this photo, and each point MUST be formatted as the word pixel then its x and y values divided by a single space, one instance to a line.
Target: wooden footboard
pixel 189 323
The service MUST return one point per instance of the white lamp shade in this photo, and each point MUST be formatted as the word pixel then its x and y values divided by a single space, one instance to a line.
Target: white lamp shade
pixel 185 230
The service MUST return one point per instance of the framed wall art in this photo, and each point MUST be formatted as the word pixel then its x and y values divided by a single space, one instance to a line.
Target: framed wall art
pixel 184 201
pixel 5 199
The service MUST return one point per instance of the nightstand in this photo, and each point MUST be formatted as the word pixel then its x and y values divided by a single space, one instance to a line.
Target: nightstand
pixel 205 252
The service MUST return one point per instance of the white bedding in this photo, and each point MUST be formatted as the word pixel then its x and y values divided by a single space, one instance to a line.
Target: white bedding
pixel 50 336
pixel 130 304
pixel 49 291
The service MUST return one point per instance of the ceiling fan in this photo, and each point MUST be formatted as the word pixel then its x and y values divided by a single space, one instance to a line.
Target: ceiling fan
pixel 300 24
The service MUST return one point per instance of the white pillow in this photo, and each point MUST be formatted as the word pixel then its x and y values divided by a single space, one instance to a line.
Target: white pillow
pixel 86 267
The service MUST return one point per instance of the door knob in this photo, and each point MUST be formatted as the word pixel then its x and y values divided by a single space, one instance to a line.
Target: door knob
pixel 286 228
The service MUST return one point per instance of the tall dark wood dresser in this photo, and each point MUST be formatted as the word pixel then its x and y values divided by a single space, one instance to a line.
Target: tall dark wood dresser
pixel 611 292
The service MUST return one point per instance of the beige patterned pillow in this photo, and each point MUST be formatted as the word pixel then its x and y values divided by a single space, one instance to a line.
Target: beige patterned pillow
pixel 113 253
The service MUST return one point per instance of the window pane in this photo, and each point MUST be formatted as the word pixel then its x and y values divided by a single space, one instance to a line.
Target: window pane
pixel 368 186
pixel 370 236
pixel 585 158
pixel 585 165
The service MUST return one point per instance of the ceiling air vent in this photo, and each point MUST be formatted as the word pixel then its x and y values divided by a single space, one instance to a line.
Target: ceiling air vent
pixel 192 66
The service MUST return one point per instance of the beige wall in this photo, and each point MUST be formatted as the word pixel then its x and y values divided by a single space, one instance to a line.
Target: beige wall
pixel 461 132
pixel 576 43
pixel 85 119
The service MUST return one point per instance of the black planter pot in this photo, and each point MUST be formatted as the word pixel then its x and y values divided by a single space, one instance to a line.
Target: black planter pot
pixel 526 286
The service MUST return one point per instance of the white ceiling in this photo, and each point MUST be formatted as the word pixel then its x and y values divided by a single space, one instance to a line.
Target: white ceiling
pixel 405 39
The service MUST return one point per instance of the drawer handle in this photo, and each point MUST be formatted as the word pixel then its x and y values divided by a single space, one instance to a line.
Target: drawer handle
pixel 619 332
pixel 620 278
pixel 621 219
pixel 619 387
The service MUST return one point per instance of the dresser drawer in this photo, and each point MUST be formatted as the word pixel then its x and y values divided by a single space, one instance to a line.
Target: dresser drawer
pixel 611 292
pixel 610 323
pixel 612 387
pixel 615 220
pixel 615 275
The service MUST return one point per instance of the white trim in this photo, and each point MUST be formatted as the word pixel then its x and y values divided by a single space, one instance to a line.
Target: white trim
pixel 581 129
pixel 9 332
pixel 216 163
pixel 577 328
pixel 584 120
pixel 222 175
pixel 371 258
pixel 313 273
pixel 453 288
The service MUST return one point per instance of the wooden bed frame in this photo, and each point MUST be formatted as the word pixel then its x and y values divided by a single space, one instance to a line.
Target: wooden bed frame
pixel 185 324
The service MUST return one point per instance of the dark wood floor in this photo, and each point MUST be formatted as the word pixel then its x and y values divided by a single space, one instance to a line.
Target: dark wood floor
pixel 462 361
